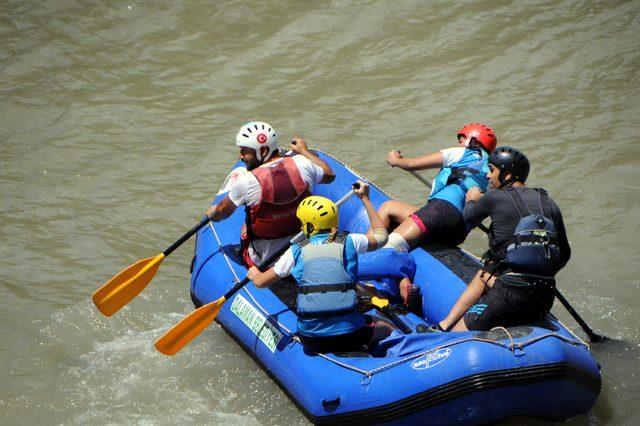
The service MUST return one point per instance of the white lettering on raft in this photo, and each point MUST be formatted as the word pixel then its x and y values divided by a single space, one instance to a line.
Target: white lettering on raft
pixel 431 359
pixel 257 323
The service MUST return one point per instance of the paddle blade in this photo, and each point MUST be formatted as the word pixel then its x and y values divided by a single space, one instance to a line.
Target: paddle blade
pixel 126 285
pixel 380 303
pixel 190 326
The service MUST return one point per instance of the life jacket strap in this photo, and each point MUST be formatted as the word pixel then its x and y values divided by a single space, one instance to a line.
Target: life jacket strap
pixel 310 315
pixel 323 288
pixel 518 202
pixel 339 238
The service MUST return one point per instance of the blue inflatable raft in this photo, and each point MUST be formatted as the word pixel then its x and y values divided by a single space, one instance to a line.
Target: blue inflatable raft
pixel 540 370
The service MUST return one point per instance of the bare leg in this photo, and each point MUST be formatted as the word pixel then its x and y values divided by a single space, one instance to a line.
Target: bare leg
pixel 380 331
pixel 404 285
pixel 394 212
pixel 469 296
pixel 410 232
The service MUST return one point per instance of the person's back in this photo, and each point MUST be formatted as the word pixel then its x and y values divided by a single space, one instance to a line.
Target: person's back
pixel 506 215
pixel 325 266
pixel 528 245
pixel 527 235
pixel 325 269
pixel 465 168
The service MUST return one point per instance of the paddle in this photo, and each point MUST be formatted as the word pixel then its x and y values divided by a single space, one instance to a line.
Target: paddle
pixel 593 336
pixel 191 325
pixel 383 306
pixel 127 284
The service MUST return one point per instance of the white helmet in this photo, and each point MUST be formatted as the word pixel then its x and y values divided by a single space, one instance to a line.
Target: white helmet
pixel 255 135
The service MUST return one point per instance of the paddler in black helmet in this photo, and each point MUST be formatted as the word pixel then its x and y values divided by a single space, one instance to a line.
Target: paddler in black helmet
pixel 527 246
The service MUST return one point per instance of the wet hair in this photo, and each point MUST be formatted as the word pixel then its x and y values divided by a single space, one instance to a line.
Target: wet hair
pixel 475 144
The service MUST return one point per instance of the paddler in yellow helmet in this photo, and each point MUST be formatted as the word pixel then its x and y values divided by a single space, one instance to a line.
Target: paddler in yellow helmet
pixel 325 265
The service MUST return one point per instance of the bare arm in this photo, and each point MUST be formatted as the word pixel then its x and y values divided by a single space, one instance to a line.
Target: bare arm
pixel 378 237
pixel 222 210
pixel 429 161
pixel 262 279
pixel 300 147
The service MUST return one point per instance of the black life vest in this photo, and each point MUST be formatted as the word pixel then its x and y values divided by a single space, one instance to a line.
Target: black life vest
pixel 534 246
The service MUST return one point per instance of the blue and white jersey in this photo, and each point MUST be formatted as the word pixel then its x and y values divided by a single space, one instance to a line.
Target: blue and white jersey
pixel 463 169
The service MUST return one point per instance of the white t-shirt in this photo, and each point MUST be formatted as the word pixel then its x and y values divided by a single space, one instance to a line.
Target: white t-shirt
pixel 285 264
pixel 452 155
pixel 247 190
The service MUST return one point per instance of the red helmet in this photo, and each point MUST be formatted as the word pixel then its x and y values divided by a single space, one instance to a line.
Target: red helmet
pixel 480 132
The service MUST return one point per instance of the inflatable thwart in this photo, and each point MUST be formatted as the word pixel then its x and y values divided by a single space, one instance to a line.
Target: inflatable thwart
pixel 413 376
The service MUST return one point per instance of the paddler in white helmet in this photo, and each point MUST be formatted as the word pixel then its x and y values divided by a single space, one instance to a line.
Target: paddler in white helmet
pixel 271 191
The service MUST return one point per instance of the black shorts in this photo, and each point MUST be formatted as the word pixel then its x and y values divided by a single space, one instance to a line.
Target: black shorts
pixel 507 306
pixel 441 222
pixel 350 342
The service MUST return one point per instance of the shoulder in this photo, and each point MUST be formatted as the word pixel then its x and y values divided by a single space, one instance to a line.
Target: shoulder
pixel 301 161
pixel 452 155
pixel 243 183
pixel 552 202
pixel 494 194
pixel 310 172
pixel 287 261
pixel 247 179
pixel 360 242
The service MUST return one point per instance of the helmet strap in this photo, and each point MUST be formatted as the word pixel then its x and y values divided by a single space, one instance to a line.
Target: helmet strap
pixel 308 228
pixel 505 183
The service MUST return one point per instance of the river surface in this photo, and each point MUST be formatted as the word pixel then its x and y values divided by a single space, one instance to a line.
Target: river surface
pixel 117 126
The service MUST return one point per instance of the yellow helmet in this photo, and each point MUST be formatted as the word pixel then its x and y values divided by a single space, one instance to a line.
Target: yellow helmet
pixel 316 214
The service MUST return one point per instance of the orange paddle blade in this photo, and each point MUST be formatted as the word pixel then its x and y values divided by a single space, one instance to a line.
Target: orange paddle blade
pixel 190 326
pixel 126 285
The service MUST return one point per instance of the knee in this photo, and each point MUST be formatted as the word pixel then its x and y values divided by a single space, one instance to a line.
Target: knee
pixel 386 208
pixel 397 242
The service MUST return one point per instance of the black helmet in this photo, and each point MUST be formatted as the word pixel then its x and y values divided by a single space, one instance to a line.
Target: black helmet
pixel 510 160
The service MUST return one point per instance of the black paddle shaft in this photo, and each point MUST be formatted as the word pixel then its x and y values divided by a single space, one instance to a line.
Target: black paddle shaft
pixel 186 236
pixel 593 336
pixel 268 261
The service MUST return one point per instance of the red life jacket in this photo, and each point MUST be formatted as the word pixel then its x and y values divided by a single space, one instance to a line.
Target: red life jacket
pixel 282 190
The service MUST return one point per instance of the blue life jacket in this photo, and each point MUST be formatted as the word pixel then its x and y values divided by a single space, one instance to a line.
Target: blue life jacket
pixel 452 182
pixel 534 247
pixel 326 274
